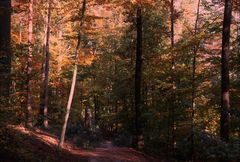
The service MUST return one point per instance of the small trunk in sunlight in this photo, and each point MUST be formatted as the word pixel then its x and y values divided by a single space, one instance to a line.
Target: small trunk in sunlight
pixel 68 106
pixel 74 78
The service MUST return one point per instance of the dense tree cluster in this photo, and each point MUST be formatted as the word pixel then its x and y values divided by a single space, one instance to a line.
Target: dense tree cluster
pixel 161 76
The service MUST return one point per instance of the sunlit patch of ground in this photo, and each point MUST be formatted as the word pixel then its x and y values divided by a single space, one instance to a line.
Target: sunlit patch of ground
pixel 45 137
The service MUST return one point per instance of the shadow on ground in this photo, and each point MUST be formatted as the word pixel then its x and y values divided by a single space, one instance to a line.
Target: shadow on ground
pixel 20 144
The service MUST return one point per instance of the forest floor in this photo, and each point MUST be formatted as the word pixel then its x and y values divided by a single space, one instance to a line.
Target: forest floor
pixel 38 145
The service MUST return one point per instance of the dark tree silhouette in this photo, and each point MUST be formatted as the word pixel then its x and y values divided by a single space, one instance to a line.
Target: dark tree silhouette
pixel 138 79
pixel 5 53
pixel 225 101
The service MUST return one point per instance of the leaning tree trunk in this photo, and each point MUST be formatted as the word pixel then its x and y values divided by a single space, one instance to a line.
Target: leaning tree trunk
pixel 44 95
pixel 74 78
pixel 29 66
pixel 225 101
pixel 5 53
pixel 139 141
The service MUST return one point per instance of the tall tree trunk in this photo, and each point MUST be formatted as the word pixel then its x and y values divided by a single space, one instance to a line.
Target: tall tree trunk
pixel 96 109
pixel 237 12
pixel 5 53
pixel 238 31
pixel 88 115
pixel 195 50
pixel 60 60
pixel 173 122
pixel 44 95
pixel 225 100
pixel 74 78
pixel 95 99
pixel 116 112
pixel 20 32
pixel 138 80
pixel 29 66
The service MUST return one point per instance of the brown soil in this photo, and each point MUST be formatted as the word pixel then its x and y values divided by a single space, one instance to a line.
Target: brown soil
pixel 43 146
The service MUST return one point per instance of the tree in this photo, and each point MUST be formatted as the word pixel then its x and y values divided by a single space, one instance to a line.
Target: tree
pixel 173 122
pixel 225 100
pixel 74 77
pixel 138 80
pixel 44 95
pixel 5 53
pixel 29 66
pixel 193 104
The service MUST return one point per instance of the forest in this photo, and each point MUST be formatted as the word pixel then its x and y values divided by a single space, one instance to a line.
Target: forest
pixel 119 80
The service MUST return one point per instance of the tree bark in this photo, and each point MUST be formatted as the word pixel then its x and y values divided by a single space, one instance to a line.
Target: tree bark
pixel 138 81
pixel 5 52
pixel 44 95
pixel 238 31
pixel 20 31
pixel 29 66
pixel 74 78
pixel 173 122
pixel 193 105
pixel 96 109
pixel 225 100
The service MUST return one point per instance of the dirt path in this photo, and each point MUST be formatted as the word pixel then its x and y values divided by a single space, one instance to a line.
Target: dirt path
pixel 108 153
pixel 46 144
